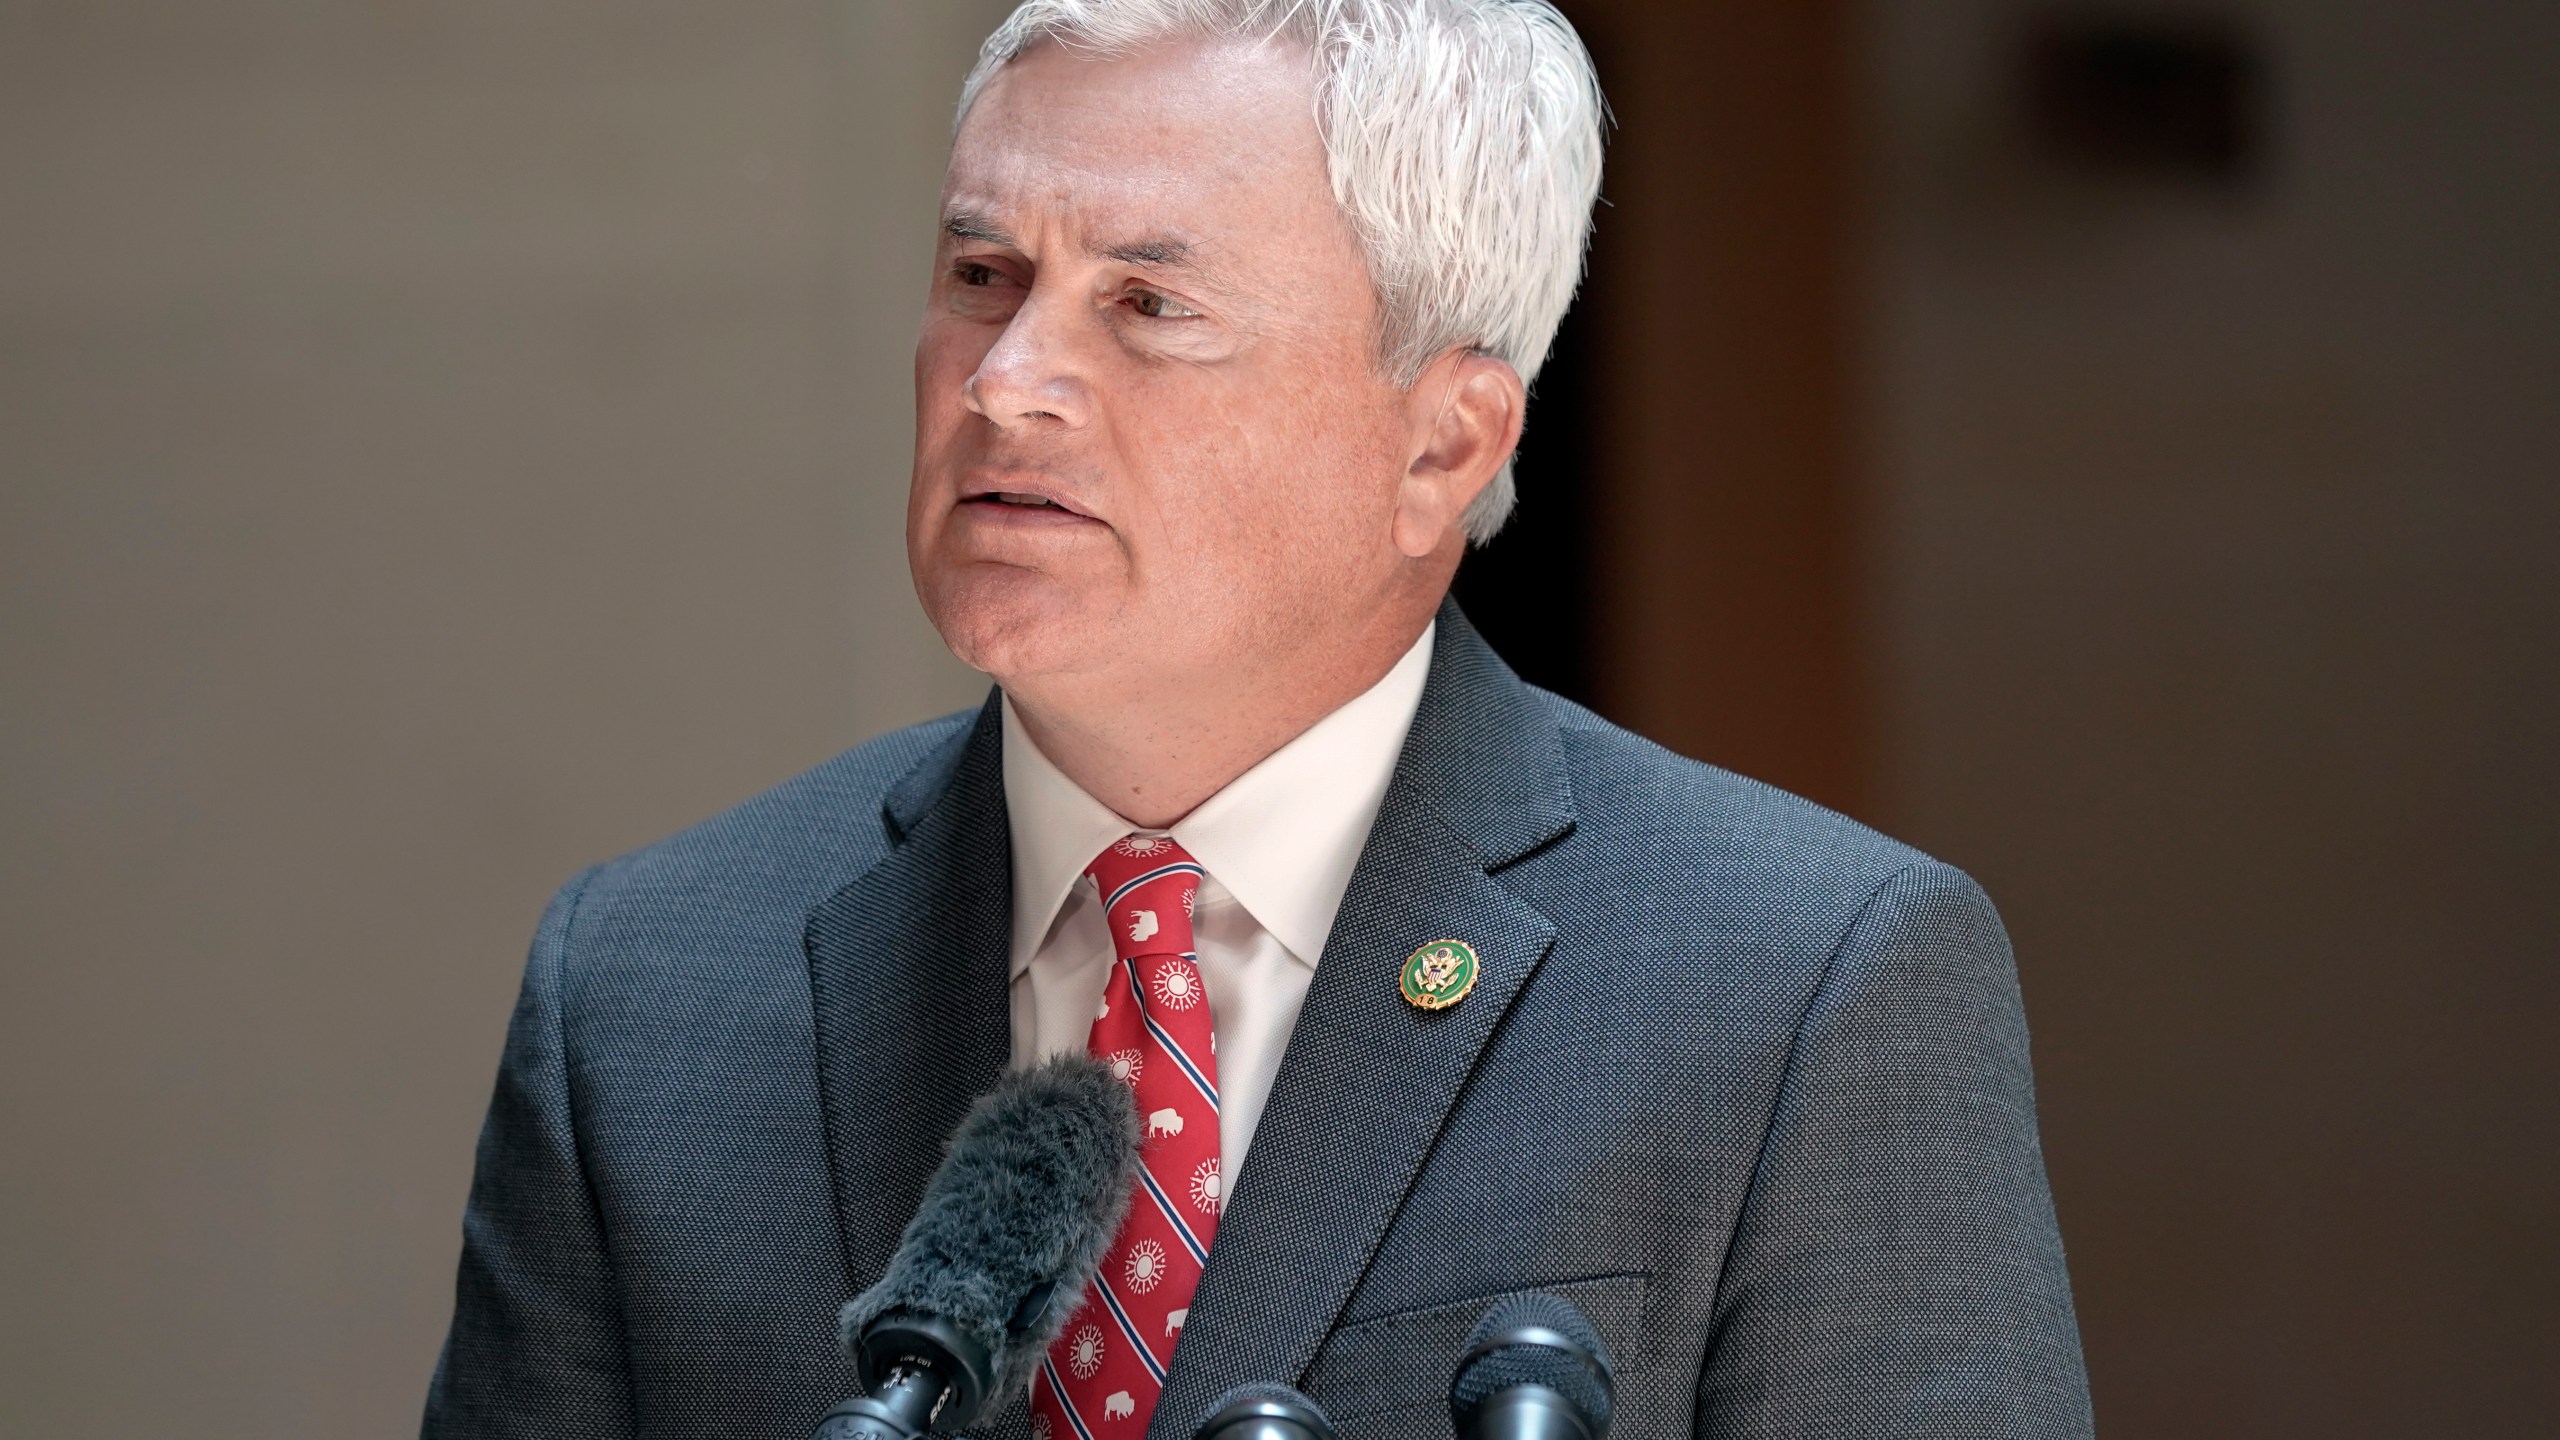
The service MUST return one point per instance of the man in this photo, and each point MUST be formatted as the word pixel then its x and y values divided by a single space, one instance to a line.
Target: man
pixel 1433 987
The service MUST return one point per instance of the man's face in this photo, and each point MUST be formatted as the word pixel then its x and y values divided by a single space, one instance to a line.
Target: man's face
pixel 1152 439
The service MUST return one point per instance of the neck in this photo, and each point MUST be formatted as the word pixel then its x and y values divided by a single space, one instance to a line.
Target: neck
pixel 1154 754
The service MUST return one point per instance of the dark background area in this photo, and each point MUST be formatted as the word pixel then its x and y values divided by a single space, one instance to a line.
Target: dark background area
pixel 1530 590
pixel 2108 445
pixel 2112 446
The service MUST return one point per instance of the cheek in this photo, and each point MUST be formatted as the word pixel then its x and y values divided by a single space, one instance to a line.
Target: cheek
pixel 945 359
pixel 1284 491
pixel 947 354
pixel 1330 457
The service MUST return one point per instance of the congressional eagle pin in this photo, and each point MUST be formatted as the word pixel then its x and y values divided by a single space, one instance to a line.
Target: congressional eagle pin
pixel 1439 974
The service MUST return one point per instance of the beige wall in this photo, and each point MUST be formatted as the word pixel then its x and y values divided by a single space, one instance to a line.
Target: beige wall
pixel 441 445
pixel 2217 580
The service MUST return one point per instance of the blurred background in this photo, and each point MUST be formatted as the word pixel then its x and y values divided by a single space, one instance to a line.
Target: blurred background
pixel 2111 446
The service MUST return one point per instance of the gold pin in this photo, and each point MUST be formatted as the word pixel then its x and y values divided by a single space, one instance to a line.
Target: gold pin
pixel 1439 974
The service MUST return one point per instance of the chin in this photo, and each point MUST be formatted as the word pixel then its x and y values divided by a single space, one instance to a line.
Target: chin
pixel 1012 623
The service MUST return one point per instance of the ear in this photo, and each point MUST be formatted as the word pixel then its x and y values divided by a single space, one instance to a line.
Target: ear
pixel 1464 414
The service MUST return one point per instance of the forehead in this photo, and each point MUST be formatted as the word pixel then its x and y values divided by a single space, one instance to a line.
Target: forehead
pixel 1213 139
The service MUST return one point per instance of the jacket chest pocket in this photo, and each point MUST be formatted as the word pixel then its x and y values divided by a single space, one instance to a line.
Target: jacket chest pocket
pixel 1389 1376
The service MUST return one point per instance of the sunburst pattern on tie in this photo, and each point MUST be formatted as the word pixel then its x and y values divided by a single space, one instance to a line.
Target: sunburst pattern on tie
pixel 1101 1380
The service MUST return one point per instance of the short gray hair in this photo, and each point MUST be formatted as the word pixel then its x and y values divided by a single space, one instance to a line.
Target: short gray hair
pixel 1463 140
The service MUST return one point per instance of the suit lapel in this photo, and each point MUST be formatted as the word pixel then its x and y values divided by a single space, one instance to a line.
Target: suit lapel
pixel 1368 1080
pixel 908 988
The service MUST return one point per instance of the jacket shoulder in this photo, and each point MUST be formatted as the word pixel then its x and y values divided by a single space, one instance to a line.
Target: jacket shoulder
pixel 1699 840
pixel 1668 795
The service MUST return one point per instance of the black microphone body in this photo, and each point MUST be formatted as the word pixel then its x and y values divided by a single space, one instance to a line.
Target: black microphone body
pixel 1533 1370
pixel 913 1369
pixel 1009 1233
pixel 1263 1412
pixel 1529 1412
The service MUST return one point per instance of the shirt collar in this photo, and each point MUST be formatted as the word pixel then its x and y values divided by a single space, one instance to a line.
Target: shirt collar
pixel 1282 838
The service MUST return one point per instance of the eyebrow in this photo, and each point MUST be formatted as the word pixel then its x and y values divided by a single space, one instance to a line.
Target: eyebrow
pixel 963 225
pixel 1164 252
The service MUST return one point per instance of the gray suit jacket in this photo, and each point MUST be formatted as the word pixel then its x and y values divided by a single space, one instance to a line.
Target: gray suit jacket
pixel 1745 1080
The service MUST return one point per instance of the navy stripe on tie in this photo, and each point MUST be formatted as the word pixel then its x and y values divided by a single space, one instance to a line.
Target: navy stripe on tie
pixel 1199 1081
pixel 1102 1287
pixel 1181 1227
pixel 1179 867
pixel 1049 1368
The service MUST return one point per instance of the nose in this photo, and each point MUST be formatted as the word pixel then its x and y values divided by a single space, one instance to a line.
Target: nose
pixel 1030 376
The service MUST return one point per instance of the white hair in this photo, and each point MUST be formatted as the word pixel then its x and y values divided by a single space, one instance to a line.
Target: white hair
pixel 1462 138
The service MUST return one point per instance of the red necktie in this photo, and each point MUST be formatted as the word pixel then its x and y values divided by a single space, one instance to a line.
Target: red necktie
pixel 1100 1381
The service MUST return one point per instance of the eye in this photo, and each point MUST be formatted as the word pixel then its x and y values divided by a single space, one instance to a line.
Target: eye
pixel 1156 305
pixel 970 272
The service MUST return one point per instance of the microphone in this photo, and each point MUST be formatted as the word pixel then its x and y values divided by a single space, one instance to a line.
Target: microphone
pixel 1263 1412
pixel 1533 1370
pixel 1010 1231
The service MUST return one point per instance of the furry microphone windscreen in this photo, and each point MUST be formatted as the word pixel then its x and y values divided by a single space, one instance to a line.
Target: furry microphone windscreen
pixel 1037 1181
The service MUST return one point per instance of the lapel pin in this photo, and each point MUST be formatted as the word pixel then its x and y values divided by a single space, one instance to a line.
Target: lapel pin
pixel 1439 974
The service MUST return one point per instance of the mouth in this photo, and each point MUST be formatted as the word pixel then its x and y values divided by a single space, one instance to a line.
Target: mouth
pixel 1021 503
pixel 1017 498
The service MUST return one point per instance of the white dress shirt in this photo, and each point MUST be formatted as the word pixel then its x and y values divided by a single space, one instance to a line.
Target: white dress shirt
pixel 1279 843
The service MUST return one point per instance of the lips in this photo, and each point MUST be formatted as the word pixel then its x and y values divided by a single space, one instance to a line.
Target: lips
pixel 1019 498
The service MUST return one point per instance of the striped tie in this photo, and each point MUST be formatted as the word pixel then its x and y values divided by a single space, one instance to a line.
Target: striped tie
pixel 1100 1381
